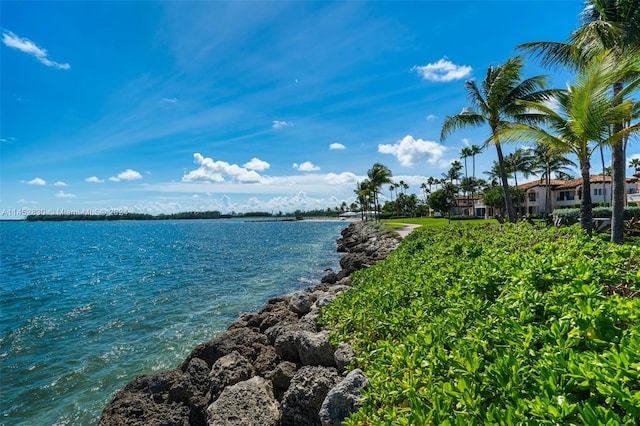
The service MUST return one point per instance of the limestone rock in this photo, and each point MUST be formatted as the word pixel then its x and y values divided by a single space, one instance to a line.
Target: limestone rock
pixel 301 302
pixel 343 356
pixel 143 401
pixel 247 403
pixel 343 399
pixel 229 370
pixel 315 348
pixel 301 403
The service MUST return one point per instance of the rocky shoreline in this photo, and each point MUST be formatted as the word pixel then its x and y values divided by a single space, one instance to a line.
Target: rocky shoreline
pixel 272 367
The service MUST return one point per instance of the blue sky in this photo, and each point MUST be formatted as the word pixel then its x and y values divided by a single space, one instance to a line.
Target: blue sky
pixel 242 106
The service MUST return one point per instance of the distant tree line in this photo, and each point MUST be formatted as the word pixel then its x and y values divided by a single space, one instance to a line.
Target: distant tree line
pixel 177 216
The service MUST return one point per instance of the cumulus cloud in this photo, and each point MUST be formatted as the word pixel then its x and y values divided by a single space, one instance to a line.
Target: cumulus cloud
pixel 216 171
pixel 280 124
pixel 443 71
pixel 256 164
pixel 128 174
pixel 62 194
pixel 59 183
pixel 345 178
pixel 37 181
pixel 94 179
pixel 307 166
pixel 410 151
pixel 27 46
pixel 337 145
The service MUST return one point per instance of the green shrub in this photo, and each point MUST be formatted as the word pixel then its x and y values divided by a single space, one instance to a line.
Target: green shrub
pixel 494 324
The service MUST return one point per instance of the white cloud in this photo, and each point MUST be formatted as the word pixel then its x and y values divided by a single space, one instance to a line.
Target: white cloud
pixel 337 145
pixel 443 71
pixel 62 194
pixel 27 46
pixel 94 179
pixel 37 181
pixel 59 183
pixel 170 100
pixel 345 178
pixel 307 166
pixel 410 151
pixel 126 175
pixel 257 164
pixel 280 124
pixel 216 171
pixel 466 142
pixel 431 117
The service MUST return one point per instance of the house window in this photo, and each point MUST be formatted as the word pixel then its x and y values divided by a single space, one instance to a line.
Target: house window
pixel 598 191
pixel 532 197
pixel 565 195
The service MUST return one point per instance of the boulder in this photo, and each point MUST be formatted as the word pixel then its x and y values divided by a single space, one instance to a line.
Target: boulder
pixel 301 302
pixel 309 387
pixel 247 403
pixel 343 356
pixel 144 401
pixel 227 371
pixel 281 377
pixel 245 341
pixel 343 399
pixel 315 348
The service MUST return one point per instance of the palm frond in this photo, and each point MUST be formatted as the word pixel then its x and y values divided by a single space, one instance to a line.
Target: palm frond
pixel 460 121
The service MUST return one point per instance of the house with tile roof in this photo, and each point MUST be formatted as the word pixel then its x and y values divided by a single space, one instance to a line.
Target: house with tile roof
pixel 539 200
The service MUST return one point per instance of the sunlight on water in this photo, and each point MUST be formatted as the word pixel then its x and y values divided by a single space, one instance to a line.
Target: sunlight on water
pixel 85 307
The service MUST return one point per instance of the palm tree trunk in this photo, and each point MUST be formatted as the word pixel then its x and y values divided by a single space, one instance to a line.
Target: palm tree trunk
pixel 505 184
pixel 618 180
pixel 586 206
pixel 547 193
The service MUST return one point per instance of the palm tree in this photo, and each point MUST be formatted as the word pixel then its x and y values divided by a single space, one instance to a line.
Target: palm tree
pixel 520 161
pixel 378 175
pixel 454 172
pixel 475 150
pixel 495 175
pixel 635 163
pixel 465 153
pixel 364 192
pixel 494 103
pixel 609 25
pixel 548 161
pixel 581 117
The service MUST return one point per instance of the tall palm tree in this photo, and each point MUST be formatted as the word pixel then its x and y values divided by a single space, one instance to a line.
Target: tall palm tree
pixel 465 153
pixel 549 161
pixel 495 175
pixel 609 25
pixel 364 194
pixel 579 118
pixel 475 150
pixel 520 161
pixel 494 103
pixel 378 175
pixel 635 163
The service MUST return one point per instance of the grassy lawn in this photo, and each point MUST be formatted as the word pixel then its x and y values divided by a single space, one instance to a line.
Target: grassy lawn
pixel 432 222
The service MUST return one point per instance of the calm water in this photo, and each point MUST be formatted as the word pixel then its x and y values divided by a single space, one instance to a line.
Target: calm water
pixel 85 307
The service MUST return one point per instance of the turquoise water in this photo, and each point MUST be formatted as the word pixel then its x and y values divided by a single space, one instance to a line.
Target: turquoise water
pixel 86 306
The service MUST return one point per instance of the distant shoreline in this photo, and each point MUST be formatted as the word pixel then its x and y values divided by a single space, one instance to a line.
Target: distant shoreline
pixel 253 217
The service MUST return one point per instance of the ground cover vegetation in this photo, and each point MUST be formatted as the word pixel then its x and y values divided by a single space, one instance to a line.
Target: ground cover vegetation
pixel 496 324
